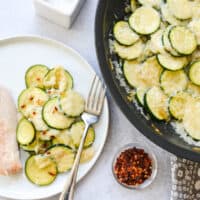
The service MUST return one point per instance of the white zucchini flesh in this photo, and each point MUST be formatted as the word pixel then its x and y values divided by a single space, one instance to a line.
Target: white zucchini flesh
pixel 194 26
pixel 124 34
pixel 168 17
pixel 181 9
pixel 182 40
pixel 156 42
pixel 76 132
pixel 194 90
pixel 166 42
pixel 178 104
pixel 63 156
pixel 172 63
pixel 48 134
pixel 145 20
pixel 31 98
pixel 191 119
pixel 40 170
pixel 157 103
pixel 73 104
pixel 129 52
pixel 150 72
pixel 36 118
pixel 63 138
pixel 25 132
pixel 153 3
pixel 87 154
pixel 173 81
pixel 140 93
pixel 131 70
pixel 194 73
pixel 54 117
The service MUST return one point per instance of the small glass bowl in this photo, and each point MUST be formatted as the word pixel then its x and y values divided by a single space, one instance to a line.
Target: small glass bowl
pixel 151 155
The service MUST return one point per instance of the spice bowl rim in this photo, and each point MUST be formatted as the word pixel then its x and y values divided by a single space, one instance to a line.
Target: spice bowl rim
pixel 151 155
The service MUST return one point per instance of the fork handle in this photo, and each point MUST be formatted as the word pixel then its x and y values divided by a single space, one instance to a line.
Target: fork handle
pixel 68 191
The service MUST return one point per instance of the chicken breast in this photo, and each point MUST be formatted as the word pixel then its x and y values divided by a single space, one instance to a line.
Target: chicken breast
pixel 9 152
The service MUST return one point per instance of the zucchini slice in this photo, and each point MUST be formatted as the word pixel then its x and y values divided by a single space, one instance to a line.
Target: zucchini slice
pixel 129 52
pixel 157 103
pixel 181 9
pixel 152 3
pixel 168 17
pixel 31 98
pixel 172 63
pixel 124 34
pixel 58 80
pixel 191 119
pixel 54 117
pixel 63 137
pixel 145 20
pixel 76 132
pixel 156 44
pixel 178 103
pixel 131 71
pixel 133 4
pixel 87 155
pixel 194 26
pixel 63 156
pixel 49 134
pixel 173 81
pixel 182 40
pixel 37 146
pixel 35 75
pixel 140 93
pixel 194 73
pixel 194 90
pixel 25 132
pixel 150 72
pixel 166 42
pixel 73 104
pixel 36 118
pixel 40 170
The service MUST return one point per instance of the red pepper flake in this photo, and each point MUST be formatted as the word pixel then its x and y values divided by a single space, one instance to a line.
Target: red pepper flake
pixel 133 167
pixel 51 173
pixel 38 79
pixel 48 152
pixel 44 132
pixel 55 109
pixel 31 98
pixel 34 113
pixel 23 106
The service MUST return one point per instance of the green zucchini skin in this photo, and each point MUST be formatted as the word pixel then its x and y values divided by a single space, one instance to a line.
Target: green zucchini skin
pixel 51 118
pixel 67 155
pixel 177 47
pixel 194 73
pixel 39 71
pixel 20 132
pixel 32 172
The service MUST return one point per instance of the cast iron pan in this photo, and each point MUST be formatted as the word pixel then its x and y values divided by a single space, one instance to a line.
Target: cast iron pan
pixel 160 133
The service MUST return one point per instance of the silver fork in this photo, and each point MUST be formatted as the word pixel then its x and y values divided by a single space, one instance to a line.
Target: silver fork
pixel 91 115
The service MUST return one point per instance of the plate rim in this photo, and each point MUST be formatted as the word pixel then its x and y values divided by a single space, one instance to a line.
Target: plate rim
pixel 55 42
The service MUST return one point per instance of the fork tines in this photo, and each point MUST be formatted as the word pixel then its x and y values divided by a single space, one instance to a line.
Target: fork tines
pixel 96 97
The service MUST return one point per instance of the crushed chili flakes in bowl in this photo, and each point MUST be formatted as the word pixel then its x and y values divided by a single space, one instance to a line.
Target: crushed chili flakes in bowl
pixel 133 167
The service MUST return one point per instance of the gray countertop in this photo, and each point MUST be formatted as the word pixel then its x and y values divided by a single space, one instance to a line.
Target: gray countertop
pixel 17 17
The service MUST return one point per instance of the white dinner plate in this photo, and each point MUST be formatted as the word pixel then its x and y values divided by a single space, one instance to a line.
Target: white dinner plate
pixel 16 55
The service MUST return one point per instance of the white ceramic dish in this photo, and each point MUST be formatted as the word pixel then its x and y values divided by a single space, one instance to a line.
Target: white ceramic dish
pixel 61 12
pixel 17 54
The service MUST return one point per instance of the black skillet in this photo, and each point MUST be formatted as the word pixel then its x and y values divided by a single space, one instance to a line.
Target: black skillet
pixel 160 133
